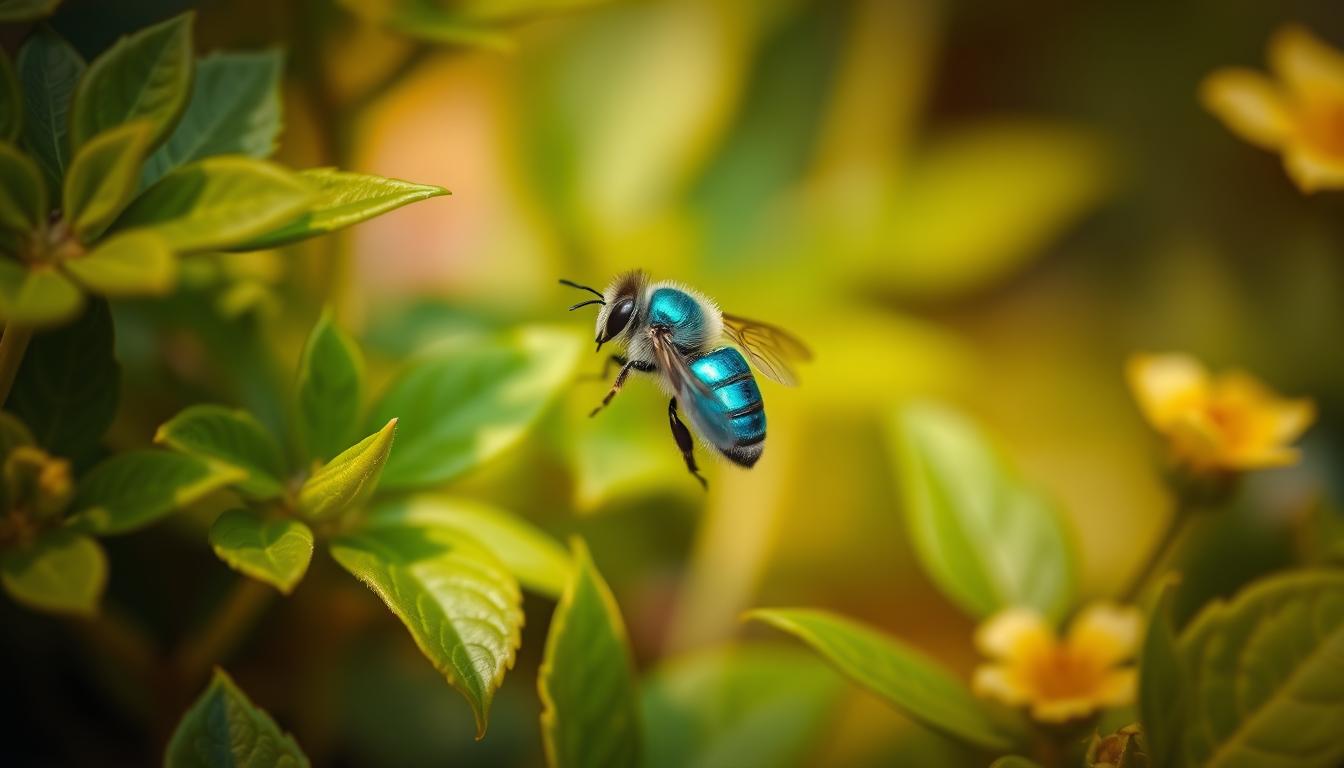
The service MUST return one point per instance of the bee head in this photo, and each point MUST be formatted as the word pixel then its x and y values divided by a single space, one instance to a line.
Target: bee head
pixel 620 305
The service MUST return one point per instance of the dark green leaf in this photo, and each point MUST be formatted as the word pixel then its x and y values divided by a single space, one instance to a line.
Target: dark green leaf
pixel 62 572
pixel 590 712
pixel 67 388
pixel 23 194
pixel 459 602
pixel 11 102
pixel 1162 687
pixel 343 484
pixel 275 551
pixel 136 262
pixel 330 391
pixel 26 10
pixel 37 296
pixel 234 110
pixel 218 202
pixel 144 76
pixel 49 69
pixel 224 729
pixel 229 437
pixel 344 198
pixel 466 404
pixel 134 489
pixel 103 177
pixel 905 678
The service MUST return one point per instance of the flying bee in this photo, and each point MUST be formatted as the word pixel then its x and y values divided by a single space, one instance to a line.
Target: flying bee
pixel 678 335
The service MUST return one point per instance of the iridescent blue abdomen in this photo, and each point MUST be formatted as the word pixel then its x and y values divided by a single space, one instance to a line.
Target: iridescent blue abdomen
pixel 725 373
pixel 677 310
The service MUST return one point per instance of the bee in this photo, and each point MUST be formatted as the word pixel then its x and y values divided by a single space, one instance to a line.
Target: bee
pixel 678 335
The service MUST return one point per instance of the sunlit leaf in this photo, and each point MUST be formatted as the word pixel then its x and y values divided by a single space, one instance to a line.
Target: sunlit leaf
pixel 347 481
pixel 590 711
pixel 137 262
pixel 459 602
pixel 755 705
pixel 49 69
pixel 103 177
pixel 344 198
pixel 11 101
pixel 26 10
pixel 38 296
pixel 229 437
pixel 1266 676
pixel 234 109
pixel 330 391
pixel 626 452
pixel 137 488
pixel 463 405
pixel 535 558
pixel 144 76
pixel 224 729
pixel 1162 687
pixel 905 678
pixel 985 538
pixel 62 572
pixel 23 194
pixel 275 551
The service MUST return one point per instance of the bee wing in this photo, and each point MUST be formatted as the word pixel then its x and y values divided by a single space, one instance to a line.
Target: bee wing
pixel 705 410
pixel 770 348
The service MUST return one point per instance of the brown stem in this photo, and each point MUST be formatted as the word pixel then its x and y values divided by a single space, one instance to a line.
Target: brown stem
pixel 1171 531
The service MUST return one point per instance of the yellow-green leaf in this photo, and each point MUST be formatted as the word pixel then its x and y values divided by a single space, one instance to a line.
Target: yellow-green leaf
pixel 230 437
pixel 330 390
pixel 61 572
pixel 37 296
pixel 103 177
pixel 275 551
pixel 224 729
pixel 1162 685
pixel 347 481
pixel 132 490
pixel 23 194
pixel 137 262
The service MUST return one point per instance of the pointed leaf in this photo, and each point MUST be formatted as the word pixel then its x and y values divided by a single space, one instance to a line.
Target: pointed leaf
pixel 103 178
pixel 132 490
pixel 347 481
pixel 458 601
pixel 49 70
pixel 229 437
pixel 11 102
pixel 26 10
pixel 274 551
pixel 903 677
pixel 224 729
pixel 987 540
pixel 23 194
pixel 234 109
pixel 144 76
pixel 218 202
pixel 589 710
pixel 1162 687
pixel 137 262
pixel 330 391
pixel 464 405
pixel 535 558
pixel 344 198
pixel 37 296
pixel 61 572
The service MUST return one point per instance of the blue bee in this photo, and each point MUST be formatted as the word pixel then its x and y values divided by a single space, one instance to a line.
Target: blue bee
pixel 678 334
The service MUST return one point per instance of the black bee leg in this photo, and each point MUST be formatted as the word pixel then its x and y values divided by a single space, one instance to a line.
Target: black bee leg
pixel 606 368
pixel 615 387
pixel 683 437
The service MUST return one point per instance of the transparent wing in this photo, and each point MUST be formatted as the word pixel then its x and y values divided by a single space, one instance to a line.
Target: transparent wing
pixel 700 404
pixel 773 350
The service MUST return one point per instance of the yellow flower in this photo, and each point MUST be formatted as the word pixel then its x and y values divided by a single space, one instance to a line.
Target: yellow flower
pixel 1299 113
pixel 1228 423
pixel 1060 679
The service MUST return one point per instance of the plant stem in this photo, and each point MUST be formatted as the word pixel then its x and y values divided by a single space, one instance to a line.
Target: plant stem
pixel 1176 522
pixel 232 618
pixel 12 346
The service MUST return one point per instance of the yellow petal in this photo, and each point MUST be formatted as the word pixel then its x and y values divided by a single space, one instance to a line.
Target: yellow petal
pixel 1166 386
pixel 1118 687
pixel 1312 170
pixel 1013 634
pixel 1106 632
pixel 1291 418
pixel 998 682
pixel 1250 104
pixel 1063 710
pixel 1312 70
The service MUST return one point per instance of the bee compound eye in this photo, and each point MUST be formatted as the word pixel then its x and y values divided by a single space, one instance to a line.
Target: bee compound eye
pixel 619 317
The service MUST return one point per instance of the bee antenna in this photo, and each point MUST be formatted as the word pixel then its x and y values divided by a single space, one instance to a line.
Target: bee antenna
pixel 586 303
pixel 573 284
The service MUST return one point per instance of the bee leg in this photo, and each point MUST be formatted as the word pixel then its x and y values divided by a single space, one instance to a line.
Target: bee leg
pixel 615 387
pixel 606 368
pixel 683 437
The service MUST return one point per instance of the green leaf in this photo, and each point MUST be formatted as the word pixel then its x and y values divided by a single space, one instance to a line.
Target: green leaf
pixel 330 391
pixel 347 481
pixel 37 296
pixel 11 102
pixel 274 551
pixel 218 202
pixel 103 178
pixel 62 572
pixel 68 385
pixel 903 677
pixel 459 602
pixel 132 490
pixel 988 541
pixel 1162 687
pixel 26 10
pixel 1266 676
pixel 224 729
pixel 144 76
pixel 535 558
pixel 464 405
pixel 232 438
pixel 344 198
pixel 234 110
pixel 589 709
pixel 760 705
pixel 49 70
pixel 23 195
pixel 137 262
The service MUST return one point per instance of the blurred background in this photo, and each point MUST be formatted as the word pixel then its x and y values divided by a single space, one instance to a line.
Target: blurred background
pixel 989 204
